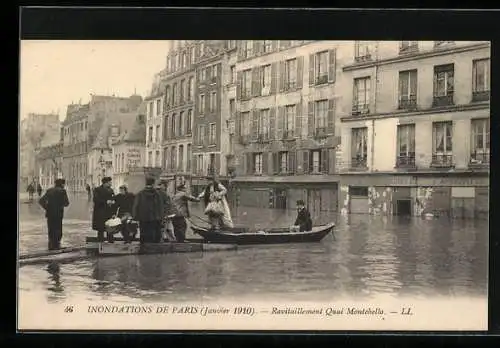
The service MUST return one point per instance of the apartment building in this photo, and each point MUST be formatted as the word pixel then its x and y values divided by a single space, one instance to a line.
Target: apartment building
pixel 209 121
pixel 153 156
pixel 286 125
pixel 178 111
pixel 49 164
pixel 416 129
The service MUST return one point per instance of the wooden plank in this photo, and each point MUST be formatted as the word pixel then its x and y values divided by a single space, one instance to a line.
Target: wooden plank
pixel 60 258
pixel 50 252
pixel 114 249
pixel 120 239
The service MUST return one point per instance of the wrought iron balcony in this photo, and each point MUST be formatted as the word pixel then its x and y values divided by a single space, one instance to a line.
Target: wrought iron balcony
pixel 478 96
pixel 288 135
pixel 359 163
pixel 263 138
pixel 321 132
pixel 360 58
pixel 405 161
pixel 322 79
pixel 360 109
pixel 442 160
pixel 408 102
pixel 445 100
pixel 479 159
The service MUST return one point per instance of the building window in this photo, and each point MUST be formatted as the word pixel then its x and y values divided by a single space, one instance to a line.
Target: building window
pixel 265 79
pixel 199 164
pixel 359 147
pixel 211 166
pixel 174 94
pixel 481 80
pixel 167 157
pixel 291 74
pixel 232 107
pixel 362 50
pixel 181 90
pixel 321 67
pixel 443 85
pixel 157 159
pixel 408 46
pixel 184 60
pixel 361 98
pixel 248 48
pixel 442 150
pixel 174 123
pixel 213 73
pixel 263 126
pixel 201 134
pixel 203 74
pixel 188 158
pixel 173 158
pixel 212 134
pixel 157 134
pixel 150 133
pixel 407 89
pixel 213 102
pixel 158 107
pixel 180 167
pixel 283 164
pixel 190 89
pixel 150 111
pixel 246 84
pixel 166 126
pixel 406 145
pixel 201 105
pixel 232 74
pixel 189 122
pixel 321 117
pixel 289 121
pixel 150 158
pixel 181 123
pixel 257 163
pixel 192 54
pixel 480 153
pixel 167 96
pixel 245 124
pixel 267 46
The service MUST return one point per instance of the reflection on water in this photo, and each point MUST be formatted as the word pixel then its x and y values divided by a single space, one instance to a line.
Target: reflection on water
pixel 368 256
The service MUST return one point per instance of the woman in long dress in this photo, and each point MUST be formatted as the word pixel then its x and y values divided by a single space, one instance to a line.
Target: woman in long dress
pixel 216 193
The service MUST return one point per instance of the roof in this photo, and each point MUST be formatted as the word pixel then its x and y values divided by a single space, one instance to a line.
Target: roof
pixel 123 120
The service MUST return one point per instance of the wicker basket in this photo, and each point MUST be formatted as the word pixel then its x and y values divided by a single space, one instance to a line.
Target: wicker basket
pixel 113 226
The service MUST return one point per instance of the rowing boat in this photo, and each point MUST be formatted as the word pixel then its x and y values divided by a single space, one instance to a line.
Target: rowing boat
pixel 244 236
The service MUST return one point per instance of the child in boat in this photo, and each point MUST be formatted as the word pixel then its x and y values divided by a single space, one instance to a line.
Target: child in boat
pixel 303 221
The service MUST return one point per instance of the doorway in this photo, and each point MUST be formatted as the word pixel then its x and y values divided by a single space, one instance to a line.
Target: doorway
pixel 403 207
pixel 280 199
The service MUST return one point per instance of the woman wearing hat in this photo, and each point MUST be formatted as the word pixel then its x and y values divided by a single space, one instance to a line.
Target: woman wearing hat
pixel 216 207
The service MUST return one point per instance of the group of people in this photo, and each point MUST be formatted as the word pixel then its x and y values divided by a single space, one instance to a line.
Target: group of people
pixel 159 216
pixel 32 188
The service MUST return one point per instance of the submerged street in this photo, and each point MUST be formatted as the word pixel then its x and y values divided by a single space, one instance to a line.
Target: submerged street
pixel 367 256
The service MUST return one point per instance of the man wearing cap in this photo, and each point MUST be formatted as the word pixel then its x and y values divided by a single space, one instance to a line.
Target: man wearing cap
pixel 53 202
pixel 103 207
pixel 181 211
pixel 303 220
pixel 167 210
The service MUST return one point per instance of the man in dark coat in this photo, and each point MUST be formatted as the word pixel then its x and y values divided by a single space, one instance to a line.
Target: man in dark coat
pixel 103 207
pixel 181 211
pixel 303 220
pixel 53 202
pixel 39 190
pixel 124 202
pixel 148 210
pixel 89 192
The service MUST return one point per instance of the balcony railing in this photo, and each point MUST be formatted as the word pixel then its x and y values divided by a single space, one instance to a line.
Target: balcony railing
pixel 478 96
pixel 408 49
pixel 479 159
pixel 290 85
pixel 407 102
pixel 262 138
pixel 288 135
pixel 406 161
pixel 445 100
pixel 358 162
pixel 442 160
pixel 322 79
pixel 360 58
pixel 320 132
pixel 360 109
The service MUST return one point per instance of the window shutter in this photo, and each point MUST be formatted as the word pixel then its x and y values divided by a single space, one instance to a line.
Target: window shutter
pixel 255 82
pixel 331 116
pixel 274 77
pixel 311 69
pixel 300 71
pixel 291 162
pixel 276 168
pixel 324 161
pixel 332 65
pixel 331 161
pixel 207 140
pixel 282 76
pixel 257 46
pixel 272 123
pixel 239 81
pixel 298 120
pixel 217 164
pixel 255 124
pixel 310 118
pixel 305 162
pixel 237 124
pixel 279 122
pixel 250 163
pixel 265 163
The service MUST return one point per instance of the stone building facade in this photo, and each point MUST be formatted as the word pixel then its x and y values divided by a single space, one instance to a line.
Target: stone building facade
pixel 286 123
pixel 415 129
pixel 153 156
pixel 49 164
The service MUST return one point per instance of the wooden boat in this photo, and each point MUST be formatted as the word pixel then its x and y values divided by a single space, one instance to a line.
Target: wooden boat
pixel 243 236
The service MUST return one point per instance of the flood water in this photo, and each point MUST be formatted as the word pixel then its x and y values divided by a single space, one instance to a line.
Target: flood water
pixel 367 256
